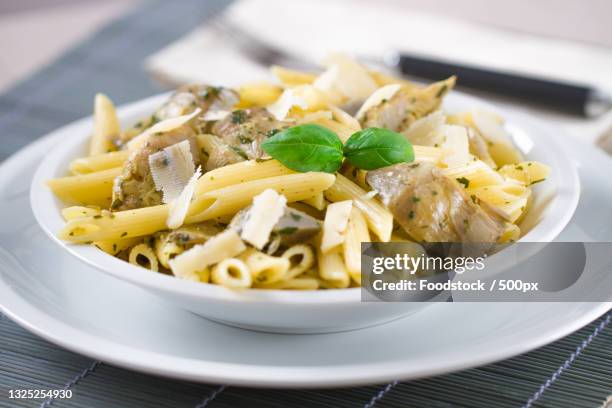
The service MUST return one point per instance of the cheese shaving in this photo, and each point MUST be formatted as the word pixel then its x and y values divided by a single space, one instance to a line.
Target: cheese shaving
pixel 334 225
pixel 346 76
pixel 161 127
pixel 224 245
pixel 180 205
pixel 268 207
pixel 288 99
pixel 171 169
pixel 457 143
pixel 381 94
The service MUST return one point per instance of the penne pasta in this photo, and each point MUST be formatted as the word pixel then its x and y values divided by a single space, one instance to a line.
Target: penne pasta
pixel 318 201
pixel 301 258
pixel 379 218
pixel 232 273
pixel 332 269
pixel 207 206
pixel 98 162
pixel 106 126
pixel 304 283
pixel 356 233
pixel 264 268
pixel 142 255
pixel 258 94
pixel 86 189
pixel 113 247
pixel 290 77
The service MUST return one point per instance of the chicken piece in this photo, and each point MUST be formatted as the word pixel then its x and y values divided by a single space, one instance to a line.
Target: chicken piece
pixel 406 106
pixel 221 154
pixel 134 187
pixel 183 101
pixel 432 207
pixel 189 97
pixel 293 227
pixel 245 129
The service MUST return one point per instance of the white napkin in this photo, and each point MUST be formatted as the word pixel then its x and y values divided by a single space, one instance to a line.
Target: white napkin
pixel 314 28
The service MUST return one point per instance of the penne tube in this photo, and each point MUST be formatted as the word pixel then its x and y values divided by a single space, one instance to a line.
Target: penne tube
pixel 106 126
pixel 429 154
pixel 86 189
pixel 291 77
pixel 356 233
pixel 231 273
pixel 142 255
pixel 207 206
pixel 231 199
pixel 332 269
pixel 113 247
pixel 99 162
pixel 305 283
pixel 378 217
pixel 477 173
pixel 260 93
pixel 301 258
pixel 78 211
pixel 265 268
pixel 318 201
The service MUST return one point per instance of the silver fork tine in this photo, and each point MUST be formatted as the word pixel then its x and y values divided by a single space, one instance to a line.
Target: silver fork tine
pixel 254 48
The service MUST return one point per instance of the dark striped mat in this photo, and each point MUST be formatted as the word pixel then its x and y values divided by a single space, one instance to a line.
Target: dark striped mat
pixel 573 372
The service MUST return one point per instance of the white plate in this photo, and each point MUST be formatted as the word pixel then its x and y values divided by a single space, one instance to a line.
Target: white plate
pixel 299 311
pixel 55 296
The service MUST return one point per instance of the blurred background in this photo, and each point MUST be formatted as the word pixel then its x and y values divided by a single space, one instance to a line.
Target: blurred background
pixel 568 40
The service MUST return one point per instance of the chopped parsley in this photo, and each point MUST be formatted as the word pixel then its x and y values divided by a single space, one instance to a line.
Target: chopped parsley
pixel 464 181
pixel 238 117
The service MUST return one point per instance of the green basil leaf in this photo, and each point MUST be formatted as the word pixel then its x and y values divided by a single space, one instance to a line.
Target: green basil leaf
pixel 306 148
pixel 374 148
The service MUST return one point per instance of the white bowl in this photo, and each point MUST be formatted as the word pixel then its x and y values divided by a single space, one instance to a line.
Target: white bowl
pixel 296 311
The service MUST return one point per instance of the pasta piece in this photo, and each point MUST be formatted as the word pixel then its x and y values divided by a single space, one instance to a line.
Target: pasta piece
pixel 378 217
pixel 430 154
pixel 258 94
pixel 268 207
pixel 334 225
pixel 477 174
pixel 142 255
pixel 167 250
pixel 317 201
pixel 209 205
pixel 301 259
pixel 508 199
pixel 317 99
pixel 333 269
pixel 78 211
pixel 527 173
pixel 87 189
pixel 290 77
pixel 511 234
pixel 222 246
pixel 343 131
pixel 106 126
pixel 239 173
pixel 344 118
pixel 113 247
pixel 232 273
pixel 231 199
pixel 356 233
pixel 265 268
pixel 457 144
pixel 98 162
pixel 292 284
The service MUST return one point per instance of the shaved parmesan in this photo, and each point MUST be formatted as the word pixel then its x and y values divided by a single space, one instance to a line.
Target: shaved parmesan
pixel 346 76
pixel 377 97
pixel 171 169
pixel 334 225
pixel 161 127
pixel 180 205
pixel 222 246
pixel 489 127
pixel 215 115
pixel 458 146
pixel 288 99
pixel 421 132
pixel 268 207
